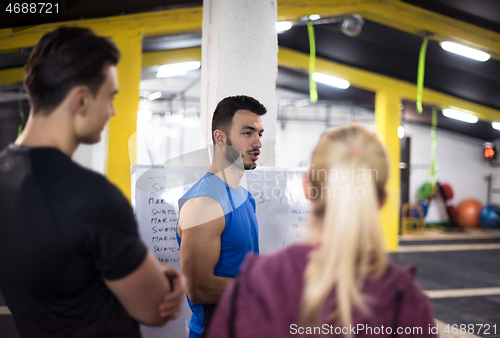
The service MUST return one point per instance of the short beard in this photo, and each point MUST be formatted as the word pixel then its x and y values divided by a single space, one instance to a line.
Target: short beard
pixel 250 166
pixel 233 154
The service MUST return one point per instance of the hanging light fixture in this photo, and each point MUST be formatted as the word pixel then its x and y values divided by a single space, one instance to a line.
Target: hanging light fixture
pixel 175 69
pixel 467 51
pixel 154 96
pixel 461 116
pixel 282 26
pixel 331 80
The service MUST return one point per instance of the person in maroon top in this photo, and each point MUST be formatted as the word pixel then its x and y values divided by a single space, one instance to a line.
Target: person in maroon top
pixel 339 282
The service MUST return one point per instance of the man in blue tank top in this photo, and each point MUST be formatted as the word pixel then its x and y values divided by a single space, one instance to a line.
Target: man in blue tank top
pixel 217 225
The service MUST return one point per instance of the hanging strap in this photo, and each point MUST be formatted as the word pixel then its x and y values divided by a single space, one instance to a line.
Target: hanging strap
pixel 313 91
pixel 433 167
pixel 421 72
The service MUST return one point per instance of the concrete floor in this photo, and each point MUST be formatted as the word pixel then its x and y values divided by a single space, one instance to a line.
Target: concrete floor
pixel 459 271
pixel 461 274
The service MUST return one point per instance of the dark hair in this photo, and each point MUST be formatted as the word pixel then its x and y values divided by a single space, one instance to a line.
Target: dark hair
pixel 63 59
pixel 225 110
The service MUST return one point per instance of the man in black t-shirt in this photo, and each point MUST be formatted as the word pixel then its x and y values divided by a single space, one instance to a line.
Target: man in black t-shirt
pixel 71 261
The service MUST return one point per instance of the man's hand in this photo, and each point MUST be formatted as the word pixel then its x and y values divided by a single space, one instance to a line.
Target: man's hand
pixel 170 307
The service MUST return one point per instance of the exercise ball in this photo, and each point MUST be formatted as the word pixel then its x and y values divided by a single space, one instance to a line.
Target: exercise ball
pixel 424 205
pixel 468 213
pixel 446 191
pixel 414 212
pixel 453 212
pixel 490 216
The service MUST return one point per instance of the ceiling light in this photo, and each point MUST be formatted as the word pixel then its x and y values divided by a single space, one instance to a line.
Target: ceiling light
pixel 465 51
pixel 314 17
pixel 461 116
pixel 496 125
pixel 401 132
pixel 154 96
pixel 175 69
pixel 282 26
pixel 331 80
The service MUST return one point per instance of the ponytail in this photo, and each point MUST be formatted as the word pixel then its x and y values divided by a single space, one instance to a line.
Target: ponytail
pixel 351 247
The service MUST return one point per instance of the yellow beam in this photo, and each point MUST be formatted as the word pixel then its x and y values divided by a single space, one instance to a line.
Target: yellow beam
pixel 374 82
pixel 144 24
pixel 11 75
pixel 295 9
pixel 387 121
pixel 399 15
pixel 124 124
pixel 151 59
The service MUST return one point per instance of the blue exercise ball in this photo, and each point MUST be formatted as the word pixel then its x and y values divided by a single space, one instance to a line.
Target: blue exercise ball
pixel 490 216
pixel 424 205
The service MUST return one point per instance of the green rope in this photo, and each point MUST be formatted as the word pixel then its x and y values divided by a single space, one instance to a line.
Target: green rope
pixel 420 78
pixel 433 167
pixel 21 113
pixel 313 91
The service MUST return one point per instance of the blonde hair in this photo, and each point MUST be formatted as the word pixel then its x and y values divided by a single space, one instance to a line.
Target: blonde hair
pixel 349 170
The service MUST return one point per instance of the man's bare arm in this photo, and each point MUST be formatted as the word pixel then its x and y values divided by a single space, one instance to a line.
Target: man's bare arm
pixel 202 222
pixel 142 291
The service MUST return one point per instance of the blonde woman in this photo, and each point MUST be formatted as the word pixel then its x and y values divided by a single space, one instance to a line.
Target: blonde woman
pixel 340 281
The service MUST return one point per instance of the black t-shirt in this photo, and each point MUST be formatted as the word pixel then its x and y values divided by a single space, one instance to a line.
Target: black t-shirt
pixel 63 229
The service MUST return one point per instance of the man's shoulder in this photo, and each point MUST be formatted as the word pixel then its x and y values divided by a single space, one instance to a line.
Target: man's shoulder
pixel 208 183
pixel 200 210
pixel 209 190
pixel 96 189
pixel 62 178
pixel 83 180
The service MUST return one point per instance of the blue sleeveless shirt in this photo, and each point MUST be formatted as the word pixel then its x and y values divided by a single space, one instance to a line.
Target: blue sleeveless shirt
pixel 240 235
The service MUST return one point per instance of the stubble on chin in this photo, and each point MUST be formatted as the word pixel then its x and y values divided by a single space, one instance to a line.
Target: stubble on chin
pixel 250 166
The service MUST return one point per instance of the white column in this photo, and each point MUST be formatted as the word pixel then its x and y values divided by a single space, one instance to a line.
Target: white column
pixel 239 57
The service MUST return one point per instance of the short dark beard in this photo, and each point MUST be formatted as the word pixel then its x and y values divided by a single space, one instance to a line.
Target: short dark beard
pixel 232 154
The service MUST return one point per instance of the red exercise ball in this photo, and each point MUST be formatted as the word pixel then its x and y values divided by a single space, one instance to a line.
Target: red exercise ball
pixel 447 191
pixel 468 213
pixel 453 212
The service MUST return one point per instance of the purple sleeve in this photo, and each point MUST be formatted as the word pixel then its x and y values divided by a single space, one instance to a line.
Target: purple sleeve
pixel 416 315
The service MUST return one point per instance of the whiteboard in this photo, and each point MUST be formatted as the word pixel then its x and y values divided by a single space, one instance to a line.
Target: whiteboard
pixel 281 209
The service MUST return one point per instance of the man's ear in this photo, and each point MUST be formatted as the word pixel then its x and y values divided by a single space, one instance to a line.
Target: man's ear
pixel 79 99
pixel 220 137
